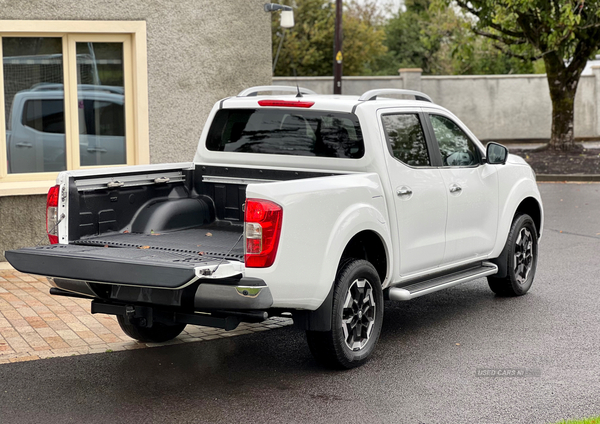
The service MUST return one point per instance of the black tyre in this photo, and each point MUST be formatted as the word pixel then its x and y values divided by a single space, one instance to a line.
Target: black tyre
pixel 357 316
pixel 158 333
pixel 522 249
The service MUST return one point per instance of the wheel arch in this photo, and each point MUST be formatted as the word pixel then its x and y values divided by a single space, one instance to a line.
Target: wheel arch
pixel 528 206
pixel 369 246
pixel 366 244
pixel 531 207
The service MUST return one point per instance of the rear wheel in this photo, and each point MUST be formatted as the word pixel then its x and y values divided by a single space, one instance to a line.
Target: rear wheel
pixel 357 315
pixel 158 333
pixel 522 259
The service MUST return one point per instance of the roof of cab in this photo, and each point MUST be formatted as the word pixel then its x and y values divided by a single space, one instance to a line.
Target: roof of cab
pixel 249 98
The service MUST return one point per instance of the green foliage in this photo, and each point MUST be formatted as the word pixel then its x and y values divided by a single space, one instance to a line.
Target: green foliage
pixel 559 31
pixel 308 47
pixel 595 420
pixel 437 38
pixel 435 35
pixel 538 27
pixel 564 33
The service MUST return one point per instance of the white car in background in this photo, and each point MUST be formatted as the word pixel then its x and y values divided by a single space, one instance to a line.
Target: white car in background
pixel 35 138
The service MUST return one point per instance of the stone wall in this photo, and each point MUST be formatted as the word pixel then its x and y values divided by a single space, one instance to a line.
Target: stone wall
pixel 494 107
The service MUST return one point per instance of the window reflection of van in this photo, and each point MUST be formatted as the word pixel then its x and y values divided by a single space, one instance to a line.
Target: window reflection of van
pixel 35 136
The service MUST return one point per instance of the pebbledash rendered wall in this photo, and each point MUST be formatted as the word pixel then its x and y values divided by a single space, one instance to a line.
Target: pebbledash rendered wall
pixel 494 107
pixel 198 51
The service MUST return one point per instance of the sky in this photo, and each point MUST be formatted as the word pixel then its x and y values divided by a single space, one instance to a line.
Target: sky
pixel 390 5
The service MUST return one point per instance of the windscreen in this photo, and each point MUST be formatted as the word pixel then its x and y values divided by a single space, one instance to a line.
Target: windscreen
pixel 286 132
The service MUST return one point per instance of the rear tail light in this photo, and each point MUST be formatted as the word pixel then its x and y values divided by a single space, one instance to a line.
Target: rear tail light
pixel 52 214
pixel 262 229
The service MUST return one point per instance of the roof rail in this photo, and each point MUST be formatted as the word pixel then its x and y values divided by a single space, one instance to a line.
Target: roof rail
pixel 45 86
pixel 372 94
pixel 253 91
pixel 53 86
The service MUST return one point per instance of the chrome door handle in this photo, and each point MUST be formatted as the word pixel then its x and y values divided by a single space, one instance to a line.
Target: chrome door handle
pixel 455 189
pixel 24 144
pixel 96 150
pixel 404 191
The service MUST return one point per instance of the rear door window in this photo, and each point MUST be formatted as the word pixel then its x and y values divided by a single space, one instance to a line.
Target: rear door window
pixel 406 138
pixel 286 132
pixel 45 115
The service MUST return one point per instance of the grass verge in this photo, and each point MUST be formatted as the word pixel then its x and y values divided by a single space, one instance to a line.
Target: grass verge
pixel 593 420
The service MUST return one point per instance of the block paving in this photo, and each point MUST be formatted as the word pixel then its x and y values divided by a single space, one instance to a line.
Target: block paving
pixel 35 325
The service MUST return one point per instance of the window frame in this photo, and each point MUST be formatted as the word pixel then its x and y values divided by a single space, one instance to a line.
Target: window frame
pixel 133 36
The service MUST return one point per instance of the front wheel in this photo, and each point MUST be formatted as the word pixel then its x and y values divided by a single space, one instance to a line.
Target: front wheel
pixel 522 251
pixel 158 333
pixel 357 315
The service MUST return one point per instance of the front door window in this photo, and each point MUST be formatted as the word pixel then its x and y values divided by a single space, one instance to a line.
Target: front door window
pixel 455 147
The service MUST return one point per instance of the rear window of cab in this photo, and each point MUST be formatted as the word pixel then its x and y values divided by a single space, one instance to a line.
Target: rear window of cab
pixel 286 132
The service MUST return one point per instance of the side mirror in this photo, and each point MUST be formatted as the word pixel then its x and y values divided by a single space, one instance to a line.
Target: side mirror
pixel 496 154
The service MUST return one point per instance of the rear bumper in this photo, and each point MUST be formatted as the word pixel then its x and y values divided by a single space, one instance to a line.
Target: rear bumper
pixel 226 294
pixel 146 277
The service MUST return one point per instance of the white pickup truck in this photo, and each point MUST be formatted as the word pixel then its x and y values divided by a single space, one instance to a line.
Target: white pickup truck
pixel 316 206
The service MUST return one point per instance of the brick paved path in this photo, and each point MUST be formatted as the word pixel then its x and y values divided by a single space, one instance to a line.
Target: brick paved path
pixel 36 325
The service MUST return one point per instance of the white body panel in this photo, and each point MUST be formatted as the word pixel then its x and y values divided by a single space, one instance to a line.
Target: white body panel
pixel 472 212
pixel 320 217
pixel 517 182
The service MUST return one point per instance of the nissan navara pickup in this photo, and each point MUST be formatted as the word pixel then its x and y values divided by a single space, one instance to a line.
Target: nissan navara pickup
pixel 317 207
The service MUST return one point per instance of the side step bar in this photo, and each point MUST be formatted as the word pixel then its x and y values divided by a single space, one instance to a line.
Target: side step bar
pixel 443 282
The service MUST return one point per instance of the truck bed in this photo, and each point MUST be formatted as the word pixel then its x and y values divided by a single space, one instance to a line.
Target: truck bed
pixel 150 227
pixel 216 240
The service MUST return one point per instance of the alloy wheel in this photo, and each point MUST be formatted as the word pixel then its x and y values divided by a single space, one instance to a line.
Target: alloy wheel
pixel 523 255
pixel 358 316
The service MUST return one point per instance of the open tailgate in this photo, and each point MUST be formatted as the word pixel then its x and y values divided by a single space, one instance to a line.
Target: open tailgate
pixel 124 266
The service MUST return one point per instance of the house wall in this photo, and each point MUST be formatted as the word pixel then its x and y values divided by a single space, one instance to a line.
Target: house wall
pixel 197 53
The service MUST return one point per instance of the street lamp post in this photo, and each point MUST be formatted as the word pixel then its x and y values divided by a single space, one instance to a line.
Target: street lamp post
pixel 337 49
pixel 287 21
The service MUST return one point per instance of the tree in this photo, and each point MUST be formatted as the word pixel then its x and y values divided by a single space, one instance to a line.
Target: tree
pixel 307 49
pixel 437 38
pixel 564 33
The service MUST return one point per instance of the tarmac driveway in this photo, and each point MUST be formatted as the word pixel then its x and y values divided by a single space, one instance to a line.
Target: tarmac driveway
pixel 429 365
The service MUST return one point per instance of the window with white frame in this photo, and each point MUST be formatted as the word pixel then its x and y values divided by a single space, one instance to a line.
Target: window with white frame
pixel 71 100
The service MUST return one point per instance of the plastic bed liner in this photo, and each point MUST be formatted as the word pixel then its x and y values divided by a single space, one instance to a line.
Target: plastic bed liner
pixel 165 260
pixel 210 240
